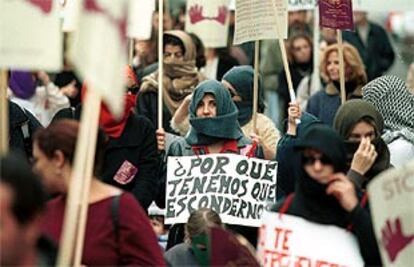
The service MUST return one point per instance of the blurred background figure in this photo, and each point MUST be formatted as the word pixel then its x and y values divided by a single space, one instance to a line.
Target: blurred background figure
pixel 22 201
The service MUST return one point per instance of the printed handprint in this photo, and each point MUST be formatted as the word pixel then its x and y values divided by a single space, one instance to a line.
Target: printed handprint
pixel 196 14
pixel 393 239
pixel 44 5
pixel 222 15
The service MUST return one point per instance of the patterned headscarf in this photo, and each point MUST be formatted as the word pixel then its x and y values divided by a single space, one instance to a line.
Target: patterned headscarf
pixel 390 97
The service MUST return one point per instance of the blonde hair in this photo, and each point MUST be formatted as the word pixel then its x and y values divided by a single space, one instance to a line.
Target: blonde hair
pixel 351 58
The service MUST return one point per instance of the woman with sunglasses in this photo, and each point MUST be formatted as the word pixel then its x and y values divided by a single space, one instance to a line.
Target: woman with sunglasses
pixel 324 195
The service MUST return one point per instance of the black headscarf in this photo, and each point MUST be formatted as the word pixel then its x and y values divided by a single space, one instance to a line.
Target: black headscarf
pixel 242 79
pixel 347 116
pixel 311 201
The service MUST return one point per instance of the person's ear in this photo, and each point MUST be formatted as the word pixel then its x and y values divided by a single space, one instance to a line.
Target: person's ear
pixel 59 159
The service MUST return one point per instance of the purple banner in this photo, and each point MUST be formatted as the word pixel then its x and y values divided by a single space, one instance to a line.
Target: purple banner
pixel 336 14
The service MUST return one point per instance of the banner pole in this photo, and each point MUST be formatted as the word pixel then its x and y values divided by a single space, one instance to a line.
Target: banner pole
pixel 90 159
pixel 341 65
pixel 160 62
pixel 256 83
pixel 4 114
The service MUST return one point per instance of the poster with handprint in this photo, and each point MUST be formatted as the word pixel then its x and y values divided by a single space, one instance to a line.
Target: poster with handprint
pixel 391 196
pixel 209 19
pixel 30 35
pixel 99 50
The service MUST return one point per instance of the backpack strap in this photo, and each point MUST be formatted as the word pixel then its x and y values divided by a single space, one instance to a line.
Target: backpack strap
pixel 286 205
pixel 115 219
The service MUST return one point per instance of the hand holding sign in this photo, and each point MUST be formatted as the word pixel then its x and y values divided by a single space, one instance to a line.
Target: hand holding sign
pixel 393 239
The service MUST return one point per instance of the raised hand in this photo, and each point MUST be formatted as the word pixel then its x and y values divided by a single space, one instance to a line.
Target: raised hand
pixel 364 157
pixel 393 238
pixel 343 190
pixel 196 14
pixel 222 15
pixel 160 134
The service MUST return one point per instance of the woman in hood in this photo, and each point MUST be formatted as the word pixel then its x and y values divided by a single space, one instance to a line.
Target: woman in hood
pixel 324 195
pixel 390 96
pixel 361 125
pixel 180 79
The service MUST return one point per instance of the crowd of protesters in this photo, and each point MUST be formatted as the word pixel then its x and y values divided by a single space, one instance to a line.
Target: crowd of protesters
pixel 327 152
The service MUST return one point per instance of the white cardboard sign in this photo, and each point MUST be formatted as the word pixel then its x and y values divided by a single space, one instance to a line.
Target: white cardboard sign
pixel 257 20
pixel 30 36
pixel 295 5
pixel 292 241
pixel 140 19
pixel 100 49
pixel 236 187
pixel 209 20
pixel 391 196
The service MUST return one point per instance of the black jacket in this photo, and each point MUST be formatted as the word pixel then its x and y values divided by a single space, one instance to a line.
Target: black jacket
pixel 137 146
pixel 135 150
pixel 378 55
pixel 22 125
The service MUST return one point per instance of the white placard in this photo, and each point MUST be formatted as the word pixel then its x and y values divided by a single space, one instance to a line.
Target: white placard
pixel 256 20
pixel 391 196
pixel 140 19
pixel 291 241
pixel 30 36
pixel 296 5
pixel 236 187
pixel 209 20
pixel 100 49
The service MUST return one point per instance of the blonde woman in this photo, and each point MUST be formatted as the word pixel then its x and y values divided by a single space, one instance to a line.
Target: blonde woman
pixel 326 102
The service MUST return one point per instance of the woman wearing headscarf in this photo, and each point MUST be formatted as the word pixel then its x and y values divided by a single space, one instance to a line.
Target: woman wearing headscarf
pixel 180 79
pixel 36 93
pixel 390 96
pixel 239 81
pixel 214 129
pixel 324 195
pixel 326 102
pixel 361 126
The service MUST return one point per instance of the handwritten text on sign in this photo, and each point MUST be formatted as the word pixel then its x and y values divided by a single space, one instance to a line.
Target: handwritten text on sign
pixel 292 241
pixel 234 186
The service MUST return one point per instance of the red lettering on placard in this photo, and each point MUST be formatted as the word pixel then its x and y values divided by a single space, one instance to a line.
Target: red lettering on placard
pixel 282 238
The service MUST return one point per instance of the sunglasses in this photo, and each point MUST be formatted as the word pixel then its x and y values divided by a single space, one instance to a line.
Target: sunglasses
pixel 310 160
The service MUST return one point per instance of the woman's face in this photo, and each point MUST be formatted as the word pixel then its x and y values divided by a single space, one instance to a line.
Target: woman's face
pixel 318 166
pixel 332 66
pixel 301 50
pixel 207 107
pixel 362 129
pixel 172 52
pixel 47 170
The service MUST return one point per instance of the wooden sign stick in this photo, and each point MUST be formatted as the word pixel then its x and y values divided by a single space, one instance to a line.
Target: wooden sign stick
pixel 160 61
pixel 130 51
pixel 4 114
pixel 72 210
pixel 90 159
pixel 341 65
pixel 256 83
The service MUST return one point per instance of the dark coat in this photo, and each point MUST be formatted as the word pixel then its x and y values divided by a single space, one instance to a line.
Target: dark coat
pixel 137 146
pixel 147 105
pixel 21 120
pixel 134 150
pixel 378 55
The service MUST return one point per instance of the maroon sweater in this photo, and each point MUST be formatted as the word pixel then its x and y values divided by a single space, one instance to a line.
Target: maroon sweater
pixel 137 245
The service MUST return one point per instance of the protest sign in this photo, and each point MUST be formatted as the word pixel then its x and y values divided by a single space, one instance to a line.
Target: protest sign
pixel 234 186
pixel 292 241
pixel 209 20
pixel 391 195
pixel 101 62
pixel 256 20
pixel 296 5
pixel 336 14
pixel 30 36
pixel 140 19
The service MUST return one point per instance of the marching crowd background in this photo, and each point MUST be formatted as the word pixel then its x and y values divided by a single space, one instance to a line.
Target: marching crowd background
pixel 326 160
